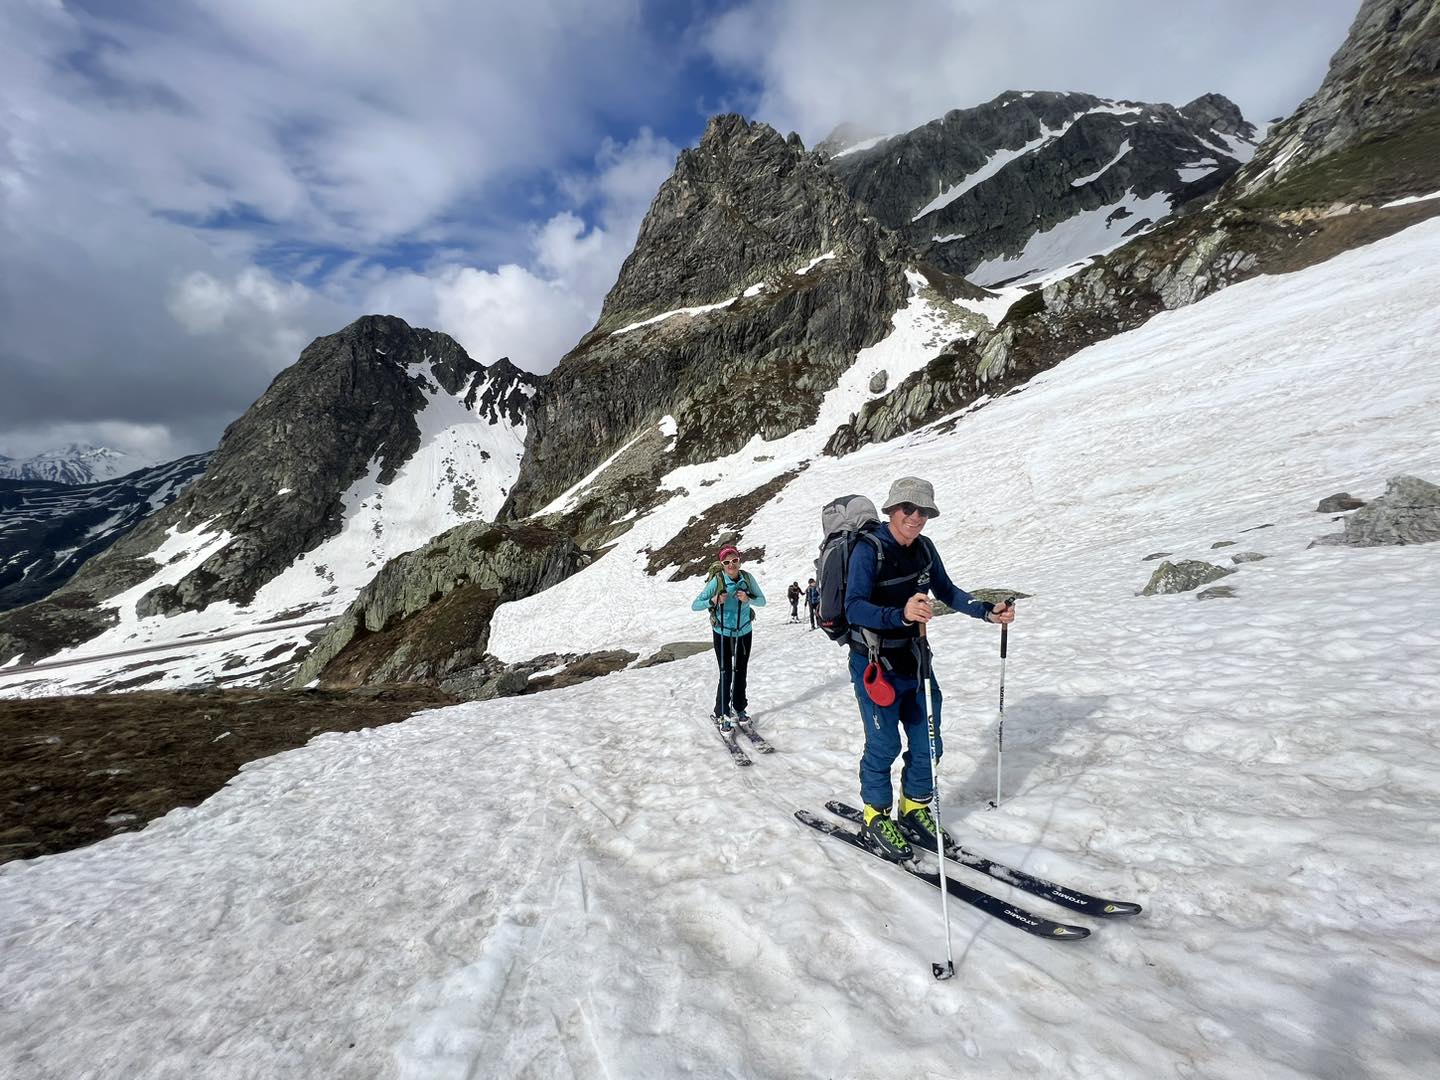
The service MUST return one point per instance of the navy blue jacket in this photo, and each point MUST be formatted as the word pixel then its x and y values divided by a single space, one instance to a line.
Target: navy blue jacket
pixel 882 608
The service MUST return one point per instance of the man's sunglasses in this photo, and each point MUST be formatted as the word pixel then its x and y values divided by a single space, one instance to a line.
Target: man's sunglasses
pixel 910 509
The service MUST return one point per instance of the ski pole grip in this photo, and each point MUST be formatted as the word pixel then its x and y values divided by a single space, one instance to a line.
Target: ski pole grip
pixel 1005 629
pixel 923 585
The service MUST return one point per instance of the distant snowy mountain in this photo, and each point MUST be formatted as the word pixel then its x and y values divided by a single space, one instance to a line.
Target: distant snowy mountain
pixel 378 438
pixel 77 463
pixel 48 530
pixel 1030 183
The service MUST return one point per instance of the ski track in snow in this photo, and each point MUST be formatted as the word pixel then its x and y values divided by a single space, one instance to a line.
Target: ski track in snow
pixel 580 883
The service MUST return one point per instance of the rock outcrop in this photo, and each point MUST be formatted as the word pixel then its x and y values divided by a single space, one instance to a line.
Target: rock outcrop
pixel 1380 98
pixel 1408 513
pixel 425 618
pixel 1183 576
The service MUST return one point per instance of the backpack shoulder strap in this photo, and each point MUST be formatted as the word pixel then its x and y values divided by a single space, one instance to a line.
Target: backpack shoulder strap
pixel 868 535
pixel 927 546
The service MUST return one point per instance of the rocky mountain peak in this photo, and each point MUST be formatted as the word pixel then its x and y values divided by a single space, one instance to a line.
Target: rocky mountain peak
pixel 752 260
pixel 1383 83
pixel 74 463
pixel 743 203
pixel 1032 181
pixel 1216 112
pixel 323 443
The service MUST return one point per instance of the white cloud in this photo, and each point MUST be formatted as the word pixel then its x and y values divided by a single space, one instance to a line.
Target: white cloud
pixel 818 63
pixel 535 314
pixel 153 158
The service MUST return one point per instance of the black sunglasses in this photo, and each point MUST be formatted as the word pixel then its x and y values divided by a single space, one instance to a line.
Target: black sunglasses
pixel 909 508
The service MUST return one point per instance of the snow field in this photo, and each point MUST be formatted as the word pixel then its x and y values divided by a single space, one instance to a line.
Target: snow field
pixel 581 883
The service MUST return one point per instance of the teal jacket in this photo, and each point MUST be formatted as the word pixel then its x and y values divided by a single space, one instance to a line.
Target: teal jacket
pixel 733 619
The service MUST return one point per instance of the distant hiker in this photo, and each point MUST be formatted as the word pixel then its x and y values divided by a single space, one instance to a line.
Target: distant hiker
pixel 812 602
pixel 885 605
pixel 794 594
pixel 731 594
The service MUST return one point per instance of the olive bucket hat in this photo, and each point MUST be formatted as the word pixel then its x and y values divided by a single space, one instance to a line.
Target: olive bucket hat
pixel 911 489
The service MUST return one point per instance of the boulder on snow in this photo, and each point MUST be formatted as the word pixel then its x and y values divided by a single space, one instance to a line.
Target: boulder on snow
pixel 674 650
pixel 1246 556
pixel 1216 592
pixel 1408 513
pixel 1338 503
pixel 1183 576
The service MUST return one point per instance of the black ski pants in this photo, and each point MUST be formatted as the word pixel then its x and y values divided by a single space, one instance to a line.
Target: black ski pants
pixel 731 652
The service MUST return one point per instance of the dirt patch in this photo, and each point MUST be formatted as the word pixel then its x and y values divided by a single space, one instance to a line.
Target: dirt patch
pixel 74 770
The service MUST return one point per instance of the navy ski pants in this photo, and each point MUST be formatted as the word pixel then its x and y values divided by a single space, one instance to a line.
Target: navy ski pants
pixel 882 737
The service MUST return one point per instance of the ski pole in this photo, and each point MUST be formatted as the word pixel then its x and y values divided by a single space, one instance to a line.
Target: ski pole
pixel 735 661
pixel 946 970
pixel 1000 728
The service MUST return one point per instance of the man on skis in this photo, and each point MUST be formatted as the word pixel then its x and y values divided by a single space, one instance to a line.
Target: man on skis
pixel 886 606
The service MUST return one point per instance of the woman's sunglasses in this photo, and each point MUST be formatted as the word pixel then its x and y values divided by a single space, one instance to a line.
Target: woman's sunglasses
pixel 729 562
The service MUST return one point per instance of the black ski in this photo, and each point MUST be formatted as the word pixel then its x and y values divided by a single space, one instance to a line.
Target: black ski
pixel 739 756
pixel 756 738
pixel 1063 895
pixel 1006 912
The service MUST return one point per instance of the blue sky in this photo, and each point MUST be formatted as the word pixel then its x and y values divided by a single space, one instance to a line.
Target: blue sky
pixel 192 190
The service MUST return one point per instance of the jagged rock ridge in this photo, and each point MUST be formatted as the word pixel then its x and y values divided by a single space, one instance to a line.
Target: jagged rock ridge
pixel 1384 81
pixel 1030 181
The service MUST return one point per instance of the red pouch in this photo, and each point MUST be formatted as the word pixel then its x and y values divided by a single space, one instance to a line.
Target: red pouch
pixel 877 686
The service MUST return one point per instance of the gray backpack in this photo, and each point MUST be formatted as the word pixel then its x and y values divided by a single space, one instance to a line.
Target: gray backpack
pixel 846 521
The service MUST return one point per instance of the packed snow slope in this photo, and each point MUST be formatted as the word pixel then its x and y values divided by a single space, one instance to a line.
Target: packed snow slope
pixel 581 883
